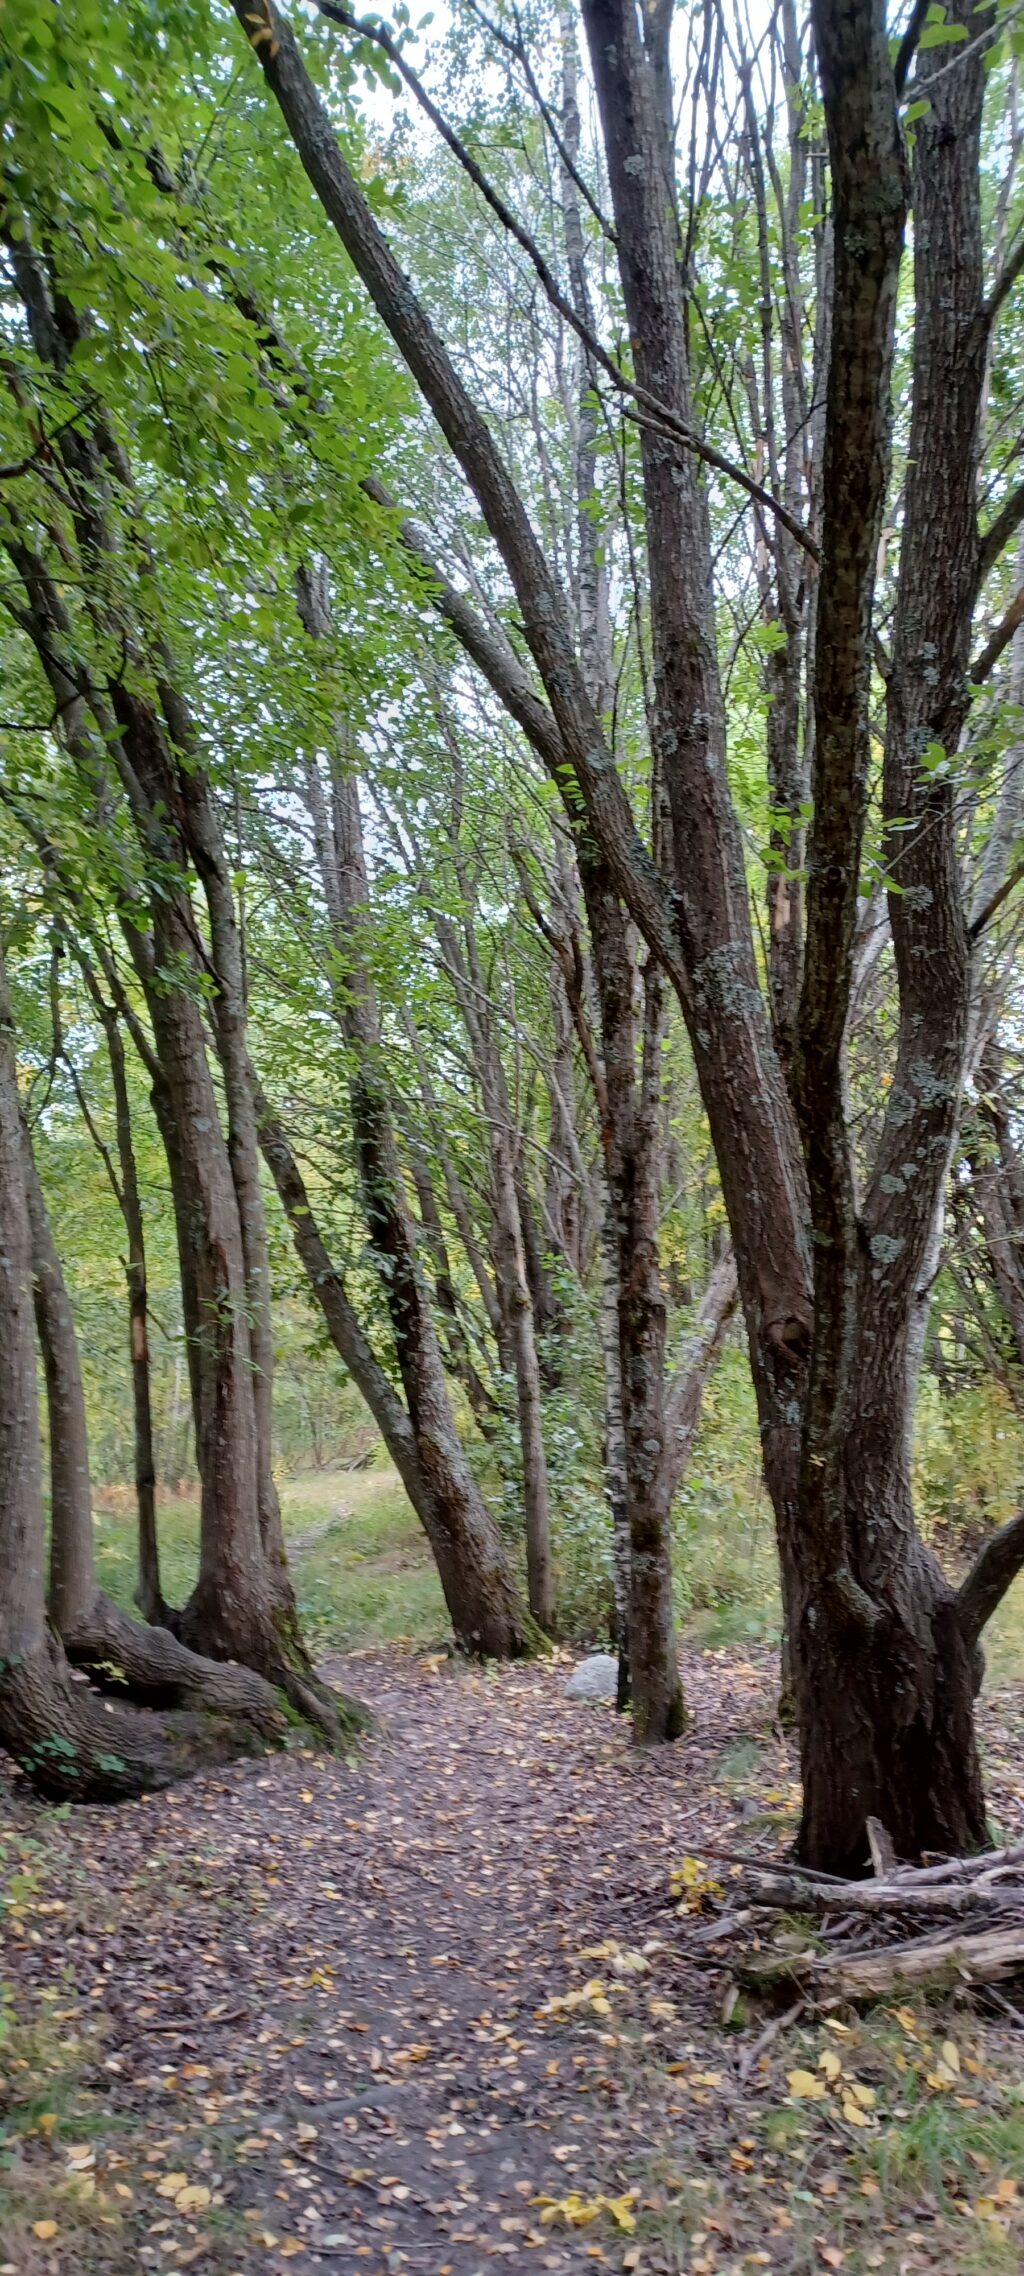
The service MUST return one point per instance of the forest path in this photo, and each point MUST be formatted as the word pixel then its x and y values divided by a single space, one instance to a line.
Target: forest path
pixel 317 1985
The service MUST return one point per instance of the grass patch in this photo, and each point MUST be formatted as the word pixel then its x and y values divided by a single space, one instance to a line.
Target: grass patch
pixel 368 1578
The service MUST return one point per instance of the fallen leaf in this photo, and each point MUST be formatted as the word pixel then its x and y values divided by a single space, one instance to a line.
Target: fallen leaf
pixel 44 2230
pixel 193 2199
pixel 804 2087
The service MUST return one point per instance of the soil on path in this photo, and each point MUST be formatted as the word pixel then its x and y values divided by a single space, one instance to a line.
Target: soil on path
pixel 330 2028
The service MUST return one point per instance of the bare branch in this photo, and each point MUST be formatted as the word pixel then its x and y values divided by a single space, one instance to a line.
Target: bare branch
pixel 996 1565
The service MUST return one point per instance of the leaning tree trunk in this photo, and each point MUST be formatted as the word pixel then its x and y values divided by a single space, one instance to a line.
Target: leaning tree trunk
pixel 479 1589
pixel 70 1745
pixel 114 726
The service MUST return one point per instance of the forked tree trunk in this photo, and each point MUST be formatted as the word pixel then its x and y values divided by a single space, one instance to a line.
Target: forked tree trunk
pixel 883 1667
pixel 862 1597
pixel 69 1745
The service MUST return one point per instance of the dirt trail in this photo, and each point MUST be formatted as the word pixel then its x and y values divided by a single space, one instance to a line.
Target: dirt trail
pixel 320 1983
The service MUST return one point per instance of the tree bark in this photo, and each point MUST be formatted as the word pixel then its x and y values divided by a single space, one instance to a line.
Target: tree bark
pixel 69 1746
pixel 479 1591
pixel 149 1594
pixel 862 1598
pixel 466 1527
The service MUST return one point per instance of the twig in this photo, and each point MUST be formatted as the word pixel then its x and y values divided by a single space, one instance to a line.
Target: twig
pixel 772 2031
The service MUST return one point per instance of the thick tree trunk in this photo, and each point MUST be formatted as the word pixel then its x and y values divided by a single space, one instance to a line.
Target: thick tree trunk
pixel 884 1673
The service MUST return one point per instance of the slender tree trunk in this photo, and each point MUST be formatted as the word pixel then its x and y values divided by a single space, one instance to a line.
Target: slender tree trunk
pixel 479 1590
pixel 510 1259
pixel 484 1406
pixel 206 845
pixel 149 1594
pixel 685 1392
pixel 479 1593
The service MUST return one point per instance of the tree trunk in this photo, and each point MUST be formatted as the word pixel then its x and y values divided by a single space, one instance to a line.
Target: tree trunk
pixel 883 1671
pixel 148 1594
pixel 685 1392
pixel 860 1593
pixel 479 1591
pixel 69 1746
pixel 514 1288
pixel 478 1586
pixel 206 845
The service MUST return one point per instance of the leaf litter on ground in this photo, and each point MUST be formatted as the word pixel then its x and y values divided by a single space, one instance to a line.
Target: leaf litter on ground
pixel 428 2011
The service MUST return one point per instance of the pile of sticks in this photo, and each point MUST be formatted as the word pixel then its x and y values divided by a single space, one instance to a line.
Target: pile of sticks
pixel 960 1919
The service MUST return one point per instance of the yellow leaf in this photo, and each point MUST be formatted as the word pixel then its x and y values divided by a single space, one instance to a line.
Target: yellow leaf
pixel 307 1796
pixel 830 2064
pixel 290 2246
pixel 832 2256
pixel 1006 2191
pixel 305 2131
pixel 804 2087
pixel 842 2030
pixel 865 2095
pixel 852 2112
pixel 44 2230
pixel 621 2210
pixel 192 2200
pixel 951 2056
pixel 908 2019
pixel 171 2184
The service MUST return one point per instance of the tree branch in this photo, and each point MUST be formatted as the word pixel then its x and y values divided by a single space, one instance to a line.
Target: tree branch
pixel 999 532
pixel 995 1567
pixel 908 45
pixel 673 428
pixel 999 639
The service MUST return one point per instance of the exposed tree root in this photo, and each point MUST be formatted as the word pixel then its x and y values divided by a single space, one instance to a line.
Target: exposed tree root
pixel 76 1747
pixel 158 1669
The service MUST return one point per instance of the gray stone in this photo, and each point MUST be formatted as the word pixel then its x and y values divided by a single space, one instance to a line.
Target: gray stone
pixel 595 1678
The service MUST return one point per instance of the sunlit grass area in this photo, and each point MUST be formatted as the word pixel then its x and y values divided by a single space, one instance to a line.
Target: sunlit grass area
pixel 362 1570
pixel 364 1574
